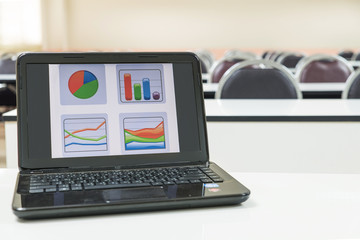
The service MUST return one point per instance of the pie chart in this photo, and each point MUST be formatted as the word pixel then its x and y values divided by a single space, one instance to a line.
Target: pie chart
pixel 83 84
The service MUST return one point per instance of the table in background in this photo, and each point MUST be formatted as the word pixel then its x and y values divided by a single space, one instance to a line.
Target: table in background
pixel 8 78
pixel 320 136
pixel 281 206
pixel 309 90
pixel 285 135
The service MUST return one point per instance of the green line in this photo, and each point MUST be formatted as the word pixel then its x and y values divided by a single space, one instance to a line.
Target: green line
pixel 132 138
pixel 82 138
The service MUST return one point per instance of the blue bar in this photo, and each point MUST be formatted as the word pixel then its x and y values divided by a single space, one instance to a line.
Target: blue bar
pixel 146 88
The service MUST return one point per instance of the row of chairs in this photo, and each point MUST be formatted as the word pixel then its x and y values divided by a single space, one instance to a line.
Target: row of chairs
pixel 7 91
pixel 265 79
pixel 350 55
pixel 314 68
pixel 231 57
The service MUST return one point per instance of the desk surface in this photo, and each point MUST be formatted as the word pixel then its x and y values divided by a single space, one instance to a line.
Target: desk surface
pixel 7 78
pixel 314 135
pixel 282 110
pixel 282 206
pixel 299 110
pixel 304 87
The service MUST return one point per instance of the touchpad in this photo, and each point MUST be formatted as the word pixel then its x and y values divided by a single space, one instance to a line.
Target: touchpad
pixel 115 195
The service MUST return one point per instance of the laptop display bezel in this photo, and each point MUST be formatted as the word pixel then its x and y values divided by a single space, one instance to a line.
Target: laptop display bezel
pixel 147 160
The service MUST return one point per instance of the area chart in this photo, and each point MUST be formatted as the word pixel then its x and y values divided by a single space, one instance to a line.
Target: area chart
pixel 144 133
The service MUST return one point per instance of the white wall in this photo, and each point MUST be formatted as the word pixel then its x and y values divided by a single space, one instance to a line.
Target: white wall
pixel 167 24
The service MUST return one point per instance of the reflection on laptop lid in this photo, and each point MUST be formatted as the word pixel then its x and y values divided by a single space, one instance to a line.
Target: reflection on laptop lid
pixel 101 129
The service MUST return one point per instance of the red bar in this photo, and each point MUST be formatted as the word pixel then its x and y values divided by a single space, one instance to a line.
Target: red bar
pixel 127 83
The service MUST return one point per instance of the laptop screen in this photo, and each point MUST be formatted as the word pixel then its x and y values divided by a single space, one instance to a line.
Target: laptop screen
pixel 110 109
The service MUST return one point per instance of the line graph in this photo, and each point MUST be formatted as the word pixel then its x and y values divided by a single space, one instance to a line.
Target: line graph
pixel 85 134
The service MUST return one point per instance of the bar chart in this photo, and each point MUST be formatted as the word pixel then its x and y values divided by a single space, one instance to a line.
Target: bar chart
pixel 141 85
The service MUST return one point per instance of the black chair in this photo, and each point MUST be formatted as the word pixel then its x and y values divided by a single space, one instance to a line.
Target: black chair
pixel 220 67
pixel 352 86
pixel 271 81
pixel 290 59
pixel 238 54
pixel 8 92
pixel 207 59
pixel 323 68
pixel 347 54
pixel 356 57
pixel 7 64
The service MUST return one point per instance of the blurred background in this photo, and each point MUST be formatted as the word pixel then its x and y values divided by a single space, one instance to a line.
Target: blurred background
pixel 122 25
pixel 252 29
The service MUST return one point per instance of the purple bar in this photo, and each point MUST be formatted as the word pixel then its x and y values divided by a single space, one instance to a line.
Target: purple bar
pixel 156 95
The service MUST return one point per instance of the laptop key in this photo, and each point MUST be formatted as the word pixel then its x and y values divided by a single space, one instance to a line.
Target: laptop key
pixel 217 179
pixel 168 183
pixel 50 189
pixel 195 181
pixel 206 180
pixel 182 182
pixel 157 183
pixel 76 186
pixel 64 189
pixel 126 185
pixel 39 190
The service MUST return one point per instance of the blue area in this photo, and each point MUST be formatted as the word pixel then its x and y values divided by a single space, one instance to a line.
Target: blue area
pixel 75 143
pixel 144 146
pixel 146 88
pixel 89 77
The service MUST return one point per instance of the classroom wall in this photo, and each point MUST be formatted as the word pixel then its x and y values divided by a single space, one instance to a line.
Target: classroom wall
pixel 166 24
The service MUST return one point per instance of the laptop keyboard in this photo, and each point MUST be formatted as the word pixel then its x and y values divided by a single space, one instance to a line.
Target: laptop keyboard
pixel 80 181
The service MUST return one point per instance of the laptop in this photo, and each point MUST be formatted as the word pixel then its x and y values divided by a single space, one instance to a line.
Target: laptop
pixel 106 133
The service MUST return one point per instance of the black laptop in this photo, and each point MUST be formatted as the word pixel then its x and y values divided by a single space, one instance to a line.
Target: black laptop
pixel 114 132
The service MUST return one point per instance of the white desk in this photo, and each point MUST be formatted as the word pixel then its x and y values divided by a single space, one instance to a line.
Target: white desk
pixel 281 206
pixel 309 90
pixel 304 136
pixel 329 109
pixel 7 78
pixel 285 135
pixel 11 139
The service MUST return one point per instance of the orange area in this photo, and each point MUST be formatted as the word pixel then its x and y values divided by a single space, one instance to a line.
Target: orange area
pixel 153 133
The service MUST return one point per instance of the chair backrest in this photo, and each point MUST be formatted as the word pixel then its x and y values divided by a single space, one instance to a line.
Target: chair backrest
pixel 263 56
pixel 323 68
pixel 272 81
pixel 347 54
pixel 352 86
pixel 290 59
pixel 356 57
pixel 272 55
pixel 220 67
pixel 237 54
pixel 206 60
pixel 7 64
